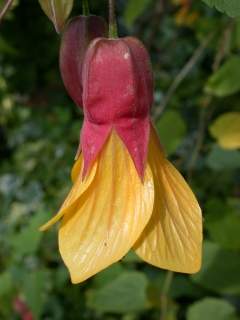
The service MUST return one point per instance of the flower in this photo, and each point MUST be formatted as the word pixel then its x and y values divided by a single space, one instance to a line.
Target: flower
pixel 77 35
pixel 126 194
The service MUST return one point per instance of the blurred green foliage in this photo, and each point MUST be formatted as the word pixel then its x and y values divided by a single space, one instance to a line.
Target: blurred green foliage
pixel 195 52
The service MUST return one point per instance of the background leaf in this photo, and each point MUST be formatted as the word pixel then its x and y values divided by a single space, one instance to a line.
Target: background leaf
pixel 226 129
pixel 6 283
pixel 224 81
pixel 216 263
pixel 220 159
pixel 108 275
pixel 223 216
pixel 172 129
pixel 230 7
pixel 134 9
pixel 211 308
pixel 34 290
pixel 126 293
pixel 28 239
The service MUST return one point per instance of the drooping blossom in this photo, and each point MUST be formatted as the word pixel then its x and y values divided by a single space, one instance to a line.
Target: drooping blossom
pixel 126 194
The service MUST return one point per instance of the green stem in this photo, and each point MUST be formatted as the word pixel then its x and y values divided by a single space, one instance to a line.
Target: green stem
pixel 113 30
pixel 85 8
pixel 5 8
pixel 164 296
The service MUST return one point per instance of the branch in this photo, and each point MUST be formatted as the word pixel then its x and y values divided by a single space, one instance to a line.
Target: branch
pixel 224 45
pixel 5 8
pixel 182 74
pixel 207 111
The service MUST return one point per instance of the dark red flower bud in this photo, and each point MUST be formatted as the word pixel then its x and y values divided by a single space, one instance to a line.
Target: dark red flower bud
pixel 79 32
pixel 117 94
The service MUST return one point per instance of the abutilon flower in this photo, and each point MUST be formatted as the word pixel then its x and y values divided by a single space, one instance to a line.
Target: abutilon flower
pixel 126 194
pixel 77 35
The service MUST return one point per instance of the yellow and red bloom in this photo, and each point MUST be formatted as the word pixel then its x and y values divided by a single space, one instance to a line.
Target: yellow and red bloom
pixel 126 194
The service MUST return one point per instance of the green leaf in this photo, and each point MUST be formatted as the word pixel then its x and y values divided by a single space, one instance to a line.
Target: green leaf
pixel 209 309
pixel 222 221
pixel 134 9
pixel 219 159
pixel 131 257
pixel 34 290
pixel 226 129
pixel 226 80
pixel 236 34
pixel 57 11
pixel 6 283
pixel 183 287
pixel 126 293
pixel 28 239
pixel 6 48
pixel 172 129
pixel 108 275
pixel 220 270
pixel 230 7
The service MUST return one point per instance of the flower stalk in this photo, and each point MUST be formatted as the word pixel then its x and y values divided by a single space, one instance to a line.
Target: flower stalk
pixel 85 8
pixel 113 30
pixel 5 8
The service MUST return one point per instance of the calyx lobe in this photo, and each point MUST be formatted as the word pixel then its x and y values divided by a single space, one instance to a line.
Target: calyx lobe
pixel 117 95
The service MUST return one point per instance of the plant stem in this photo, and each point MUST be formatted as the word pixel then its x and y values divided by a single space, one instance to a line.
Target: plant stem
pixel 5 8
pixel 207 108
pixel 85 8
pixel 113 32
pixel 183 73
pixel 164 295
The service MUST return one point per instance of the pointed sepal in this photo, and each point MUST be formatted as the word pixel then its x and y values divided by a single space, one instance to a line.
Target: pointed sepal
pixel 118 94
pixel 57 11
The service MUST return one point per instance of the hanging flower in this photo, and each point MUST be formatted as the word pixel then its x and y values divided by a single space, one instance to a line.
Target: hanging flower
pixel 77 35
pixel 126 194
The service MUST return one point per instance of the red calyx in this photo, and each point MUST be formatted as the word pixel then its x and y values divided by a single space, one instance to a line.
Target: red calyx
pixel 78 33
pixel 117 94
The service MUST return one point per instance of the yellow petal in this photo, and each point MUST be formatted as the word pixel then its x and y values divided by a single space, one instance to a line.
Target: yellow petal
pixel 110 216
pixel 77 168
pixel 226 129
pixel 173 237
pixel 78 189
